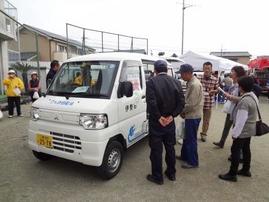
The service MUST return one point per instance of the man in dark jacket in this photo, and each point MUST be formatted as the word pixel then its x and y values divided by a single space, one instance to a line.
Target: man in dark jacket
pixel 54 67
pixel 165 100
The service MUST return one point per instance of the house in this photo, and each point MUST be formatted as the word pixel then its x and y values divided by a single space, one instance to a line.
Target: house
pixel 7 33
pixel 51 46
pixel 240 57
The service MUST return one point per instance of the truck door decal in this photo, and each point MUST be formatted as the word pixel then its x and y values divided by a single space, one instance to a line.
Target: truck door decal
pixel 132 135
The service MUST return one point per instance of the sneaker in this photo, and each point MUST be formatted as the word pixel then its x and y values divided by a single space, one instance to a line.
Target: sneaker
pixel 20 115
pixel 170 177
pixel 179 158
pixel 244 173
pixel 154 180
pixel 203 138
pixel 10 116
pixel 218 144
pixel 228 177
pixel 188 166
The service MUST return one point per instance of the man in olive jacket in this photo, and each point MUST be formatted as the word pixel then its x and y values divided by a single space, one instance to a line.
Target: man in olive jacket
pixel 192 114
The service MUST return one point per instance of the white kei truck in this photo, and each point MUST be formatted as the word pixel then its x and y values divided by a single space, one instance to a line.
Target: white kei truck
pixel 93 110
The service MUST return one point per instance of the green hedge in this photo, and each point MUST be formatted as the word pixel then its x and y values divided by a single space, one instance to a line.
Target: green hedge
pixel 3 98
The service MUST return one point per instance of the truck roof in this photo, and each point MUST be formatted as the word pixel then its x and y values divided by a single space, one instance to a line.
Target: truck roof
pixel 115 56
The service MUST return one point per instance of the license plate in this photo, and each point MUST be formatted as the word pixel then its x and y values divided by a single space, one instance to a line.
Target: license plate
pixel 44 140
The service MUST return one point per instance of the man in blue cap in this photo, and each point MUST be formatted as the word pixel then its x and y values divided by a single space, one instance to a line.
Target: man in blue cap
pixel 192 114
pixel 165 100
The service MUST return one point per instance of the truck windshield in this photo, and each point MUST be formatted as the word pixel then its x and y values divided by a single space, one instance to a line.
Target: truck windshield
pixel 85 79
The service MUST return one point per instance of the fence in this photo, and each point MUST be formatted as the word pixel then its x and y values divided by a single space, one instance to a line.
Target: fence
pixel 102 41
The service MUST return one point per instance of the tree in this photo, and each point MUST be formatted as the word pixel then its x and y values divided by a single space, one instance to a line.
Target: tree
pixel 23 68
pixel 174 55
pixel 161 53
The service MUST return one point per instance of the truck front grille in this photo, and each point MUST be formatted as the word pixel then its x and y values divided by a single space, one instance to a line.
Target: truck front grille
pixel 66 143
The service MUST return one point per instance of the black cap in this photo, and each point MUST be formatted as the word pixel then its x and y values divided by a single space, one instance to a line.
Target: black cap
pixel 160 66
pixel 185 68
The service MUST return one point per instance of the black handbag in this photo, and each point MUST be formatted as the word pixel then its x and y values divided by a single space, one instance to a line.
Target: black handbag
pixel 261 128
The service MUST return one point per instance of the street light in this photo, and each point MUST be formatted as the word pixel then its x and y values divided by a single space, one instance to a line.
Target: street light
pixel 183 23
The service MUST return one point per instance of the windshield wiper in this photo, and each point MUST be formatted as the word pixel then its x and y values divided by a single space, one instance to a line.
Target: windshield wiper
pixel 67 95
pixel 89 95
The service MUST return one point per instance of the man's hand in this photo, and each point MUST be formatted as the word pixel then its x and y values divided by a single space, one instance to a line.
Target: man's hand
pixel 169 119
pixel 212 92
pixel 164 121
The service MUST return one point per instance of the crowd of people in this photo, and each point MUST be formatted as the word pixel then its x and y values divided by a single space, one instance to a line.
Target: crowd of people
pixel 165 101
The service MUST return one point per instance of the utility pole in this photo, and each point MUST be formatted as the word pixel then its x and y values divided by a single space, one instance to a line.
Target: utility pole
pixel 183 25
pixel 37 54
pixel 183 21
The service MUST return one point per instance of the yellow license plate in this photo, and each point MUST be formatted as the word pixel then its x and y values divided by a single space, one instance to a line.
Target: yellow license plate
pixel 44 140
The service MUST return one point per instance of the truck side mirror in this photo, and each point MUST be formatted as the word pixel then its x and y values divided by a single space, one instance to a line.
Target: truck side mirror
pixel 125 89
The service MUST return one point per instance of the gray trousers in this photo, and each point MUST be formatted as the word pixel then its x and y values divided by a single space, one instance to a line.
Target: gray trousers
pixel 227 126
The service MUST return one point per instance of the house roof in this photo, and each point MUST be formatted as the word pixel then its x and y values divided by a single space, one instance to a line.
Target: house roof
pixel 54 36
pixel 231 54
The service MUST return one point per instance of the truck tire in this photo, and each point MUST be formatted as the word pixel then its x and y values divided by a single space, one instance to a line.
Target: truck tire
pixel 112 161
pixel 41 156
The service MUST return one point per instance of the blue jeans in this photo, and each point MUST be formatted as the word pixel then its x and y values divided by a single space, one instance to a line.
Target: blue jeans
pixel 189 152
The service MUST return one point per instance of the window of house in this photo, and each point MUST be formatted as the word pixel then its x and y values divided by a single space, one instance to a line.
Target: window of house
pixel 61 48
pixel 74 50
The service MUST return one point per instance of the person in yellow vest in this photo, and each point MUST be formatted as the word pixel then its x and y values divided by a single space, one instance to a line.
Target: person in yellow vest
pixel 14 86
pixel 78 79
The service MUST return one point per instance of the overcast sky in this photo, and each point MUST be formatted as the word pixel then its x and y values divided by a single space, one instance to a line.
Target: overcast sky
pixel 210 25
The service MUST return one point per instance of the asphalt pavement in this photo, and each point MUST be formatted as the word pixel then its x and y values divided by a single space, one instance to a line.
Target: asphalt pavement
pixel 24 178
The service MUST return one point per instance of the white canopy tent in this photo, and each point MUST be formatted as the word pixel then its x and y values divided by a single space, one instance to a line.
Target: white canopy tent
pixel 219 64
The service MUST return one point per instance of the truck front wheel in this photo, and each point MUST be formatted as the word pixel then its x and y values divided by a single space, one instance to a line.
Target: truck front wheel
pixel 41 156
pixel 112 160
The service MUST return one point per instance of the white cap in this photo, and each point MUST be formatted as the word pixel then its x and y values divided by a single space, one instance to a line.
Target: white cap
pixel 11 71
pixel 34 73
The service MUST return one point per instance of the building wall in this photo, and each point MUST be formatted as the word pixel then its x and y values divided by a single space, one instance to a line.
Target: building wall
pixel 7 25
pixel 55 53
pixel 6 33
pixel 44 48
pixel 244 60
pixel 28 44
pixel 3 63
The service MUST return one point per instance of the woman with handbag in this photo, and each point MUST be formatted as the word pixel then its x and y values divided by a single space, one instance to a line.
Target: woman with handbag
pixel 232 98
pixel 34 87
pixel 244 118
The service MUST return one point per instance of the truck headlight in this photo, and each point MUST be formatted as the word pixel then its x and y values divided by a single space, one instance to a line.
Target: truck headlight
pixel 93 121
pixel 35 114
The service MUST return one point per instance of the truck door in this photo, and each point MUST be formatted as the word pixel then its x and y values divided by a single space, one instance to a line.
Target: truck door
pixel 132 110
